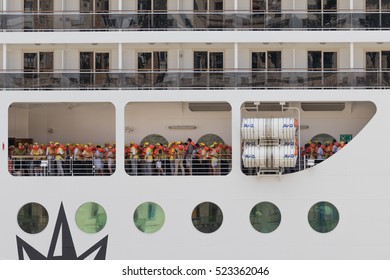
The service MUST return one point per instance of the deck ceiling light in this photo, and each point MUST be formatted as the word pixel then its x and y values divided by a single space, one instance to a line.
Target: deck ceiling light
pixel 182 127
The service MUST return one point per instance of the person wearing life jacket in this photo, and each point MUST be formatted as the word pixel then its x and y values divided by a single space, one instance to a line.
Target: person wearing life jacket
pixel 111 155
pixel 158 157
pixel 335 146
pixel 179 158
pixel 171 157
pixel 19 152
pixel 133 155
pixel 36 153
pixel 148 158
pixel 203 159
pixel 327 150
pixel 189 150
pixel 214 164
pixel 59 154
pixel 50 154
pixel 88 160
pixel 320 153
pixel 342 145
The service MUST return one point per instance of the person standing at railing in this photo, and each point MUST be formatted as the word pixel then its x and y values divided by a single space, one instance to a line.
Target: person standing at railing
pixel 88 157
pixel 78 160
pixel 148 158
pixel 158 156
pixel 320 153
pixel 36 152
pixel 190 147
pixel 179 158
pixel 335 146
pixel 98 156
pixel 19 166
pixel 50 157
pixel 171 157
pixel 134 159
pixel 111 159
pixel 59 157
pixel 214 157
pixel 68 159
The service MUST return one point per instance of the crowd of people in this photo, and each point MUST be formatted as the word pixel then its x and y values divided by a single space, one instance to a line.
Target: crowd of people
pixel 56 159
pixel 318 151
pixel 145 159
pixel 178 158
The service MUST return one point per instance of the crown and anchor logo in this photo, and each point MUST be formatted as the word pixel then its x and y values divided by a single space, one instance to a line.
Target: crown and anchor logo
pixel 68 249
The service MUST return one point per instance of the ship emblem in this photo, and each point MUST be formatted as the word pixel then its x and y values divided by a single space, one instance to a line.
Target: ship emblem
pixel 68 249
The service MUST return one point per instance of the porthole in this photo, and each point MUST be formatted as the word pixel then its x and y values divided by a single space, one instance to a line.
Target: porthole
pixel 149 217
pixel 91 217
pixel 323 217
pixel 33 218
pixel 265 217
pixel 207 217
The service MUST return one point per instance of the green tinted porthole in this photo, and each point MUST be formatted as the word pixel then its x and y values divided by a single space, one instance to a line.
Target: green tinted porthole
pixel 265 217
pixel 33 218
pixel 91 217
pixel 323 217
pixel 207 217
pixel 149 217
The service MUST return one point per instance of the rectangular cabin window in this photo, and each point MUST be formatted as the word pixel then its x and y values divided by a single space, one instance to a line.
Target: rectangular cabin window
pixel 208 5
pixel 321 5
pixel 152 61
pixel 94 5
pixel 38 5
pixel 377 5
pixel 204 60
pixel 266 5
pixel 152 5
pixel 378 60
pixel 38 62
pixel 318 60
pixel 267 60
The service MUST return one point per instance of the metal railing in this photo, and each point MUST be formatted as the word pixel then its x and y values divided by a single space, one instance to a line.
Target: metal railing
pixel 190 79
pixel 171 20
pixel 178 167
pixel 44 166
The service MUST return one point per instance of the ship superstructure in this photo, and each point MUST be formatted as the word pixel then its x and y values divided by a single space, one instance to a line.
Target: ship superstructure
pixel 206 129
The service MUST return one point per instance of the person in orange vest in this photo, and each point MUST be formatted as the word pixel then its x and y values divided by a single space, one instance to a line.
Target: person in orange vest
pixel 50 157
pixel 36 153
pixel 59 157
pixel 88 157
pixel 171 157
pixel 133 155
pixel 19 165
pixel 179 158
pixel 148 158
pixel 158 156
pixel 111 155
pixel 214 156
pixel 189 155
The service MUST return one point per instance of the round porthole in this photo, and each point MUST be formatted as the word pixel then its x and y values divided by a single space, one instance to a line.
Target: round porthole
pixel 33 218
pixel 149 217
pixel 265 217
pixel 323 217
pixel 207 217
pixel 91 217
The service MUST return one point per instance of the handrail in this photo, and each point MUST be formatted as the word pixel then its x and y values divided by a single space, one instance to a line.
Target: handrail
pixel 184 21
pixel 190 79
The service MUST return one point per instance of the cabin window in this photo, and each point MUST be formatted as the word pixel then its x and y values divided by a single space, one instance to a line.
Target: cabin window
pixel 205 60
pixel 33 218
pixel 265 217
pixel 152 61
pixel 149 217
pixel 267 60
pixel 38 62
pixel 152 5
pixel 208 5
pixel 323 217
pixel 321 5
pixel 94 5
pixel 91 217
pixel 38 5
pixel 266 5
pixel 320 60
pixel 207 217
pixel 377 5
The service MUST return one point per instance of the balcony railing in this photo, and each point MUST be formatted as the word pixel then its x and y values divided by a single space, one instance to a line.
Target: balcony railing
pixel 133 21
pixel 190 79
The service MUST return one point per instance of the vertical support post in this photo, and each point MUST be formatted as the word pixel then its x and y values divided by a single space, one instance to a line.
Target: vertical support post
pixel 236 56
pixel 351 55
pixel 120 5
pixel 4 57
pixel 235 5
pixel 120 55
